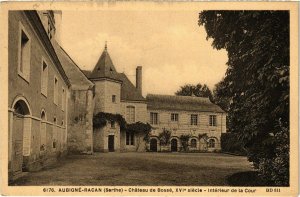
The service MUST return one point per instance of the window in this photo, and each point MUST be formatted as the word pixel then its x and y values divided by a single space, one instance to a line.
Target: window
pixel 153 118
pixel 55 90
pixel 63 99
pixel 129 138
pixel 194 119
pixel 213 120
pixel 193 143
pixel 113 98
pixel 130 114
pixel 174 117
pixel 211 143
pixel 24 55
pixel 54 120
pixel 112 124
pixel 44 78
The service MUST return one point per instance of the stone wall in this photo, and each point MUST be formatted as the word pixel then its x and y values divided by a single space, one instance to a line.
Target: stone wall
pixel 29 89
pixel 100 137
pixel 104 90
pixel 139 144
pixel 140 110
pixel 80 121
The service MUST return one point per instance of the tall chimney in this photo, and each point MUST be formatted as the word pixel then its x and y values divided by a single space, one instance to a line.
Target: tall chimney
pixel 58 19
pixel 139 79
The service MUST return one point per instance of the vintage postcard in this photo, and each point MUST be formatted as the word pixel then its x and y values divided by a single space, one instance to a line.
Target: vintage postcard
pixel 149 98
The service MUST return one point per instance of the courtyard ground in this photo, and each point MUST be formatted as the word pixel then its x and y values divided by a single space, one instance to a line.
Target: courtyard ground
pixel 148 169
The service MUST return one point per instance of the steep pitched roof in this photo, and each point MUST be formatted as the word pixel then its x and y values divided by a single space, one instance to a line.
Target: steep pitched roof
pixel 181 103
pixel 104 68
pixel 128 90
pixel 77 79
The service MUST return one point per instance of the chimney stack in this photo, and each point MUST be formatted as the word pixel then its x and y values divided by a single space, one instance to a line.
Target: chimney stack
pixel 139 79
pixel 58 20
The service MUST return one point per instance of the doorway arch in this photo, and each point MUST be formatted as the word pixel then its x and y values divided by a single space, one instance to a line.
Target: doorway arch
pixel 174 145
pixel 20 122
pixel 153 145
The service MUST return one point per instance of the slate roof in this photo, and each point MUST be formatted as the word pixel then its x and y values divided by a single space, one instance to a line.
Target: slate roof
pixel 76 77
pixel 105 69
pixel 181 103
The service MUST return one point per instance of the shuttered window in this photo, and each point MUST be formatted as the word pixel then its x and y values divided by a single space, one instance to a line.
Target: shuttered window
pixel 130 114
pixel 153 118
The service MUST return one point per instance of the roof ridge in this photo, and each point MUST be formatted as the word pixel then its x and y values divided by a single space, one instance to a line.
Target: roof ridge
pixel 168 95
pixel 73 62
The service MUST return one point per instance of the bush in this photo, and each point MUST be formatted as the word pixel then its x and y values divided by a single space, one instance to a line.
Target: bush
pixel 185 142
pixel 230 143
pixel 276 169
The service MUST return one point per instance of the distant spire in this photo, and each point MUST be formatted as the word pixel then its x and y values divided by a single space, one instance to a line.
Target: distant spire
pixel 105 47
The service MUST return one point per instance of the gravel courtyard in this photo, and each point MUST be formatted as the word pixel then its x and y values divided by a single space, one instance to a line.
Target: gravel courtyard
pixel 149 169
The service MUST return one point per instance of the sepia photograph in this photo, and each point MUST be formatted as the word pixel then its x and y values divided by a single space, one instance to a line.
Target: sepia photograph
pixel 164 97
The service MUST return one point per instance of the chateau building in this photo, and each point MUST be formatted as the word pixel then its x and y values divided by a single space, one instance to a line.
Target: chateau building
pixel 197 117
pixel 52 103
pixel 115 94
pixel 38 90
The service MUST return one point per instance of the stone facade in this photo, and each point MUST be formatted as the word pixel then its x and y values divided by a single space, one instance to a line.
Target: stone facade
pixel 37 120
pixel 205 133
pixel 104 92
pixel 80 115
pixel 107 139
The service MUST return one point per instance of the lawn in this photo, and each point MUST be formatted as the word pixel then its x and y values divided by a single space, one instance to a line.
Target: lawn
pixel 149 169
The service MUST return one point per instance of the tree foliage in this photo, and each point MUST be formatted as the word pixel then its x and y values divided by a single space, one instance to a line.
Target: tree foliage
pixel 256 83
pixel 184 139
pixel 221 96
pixel 198 90
pixel 100 120
pixel 164 137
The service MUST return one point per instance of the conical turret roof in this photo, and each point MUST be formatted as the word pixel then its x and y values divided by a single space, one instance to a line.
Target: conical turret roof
pixel 104 68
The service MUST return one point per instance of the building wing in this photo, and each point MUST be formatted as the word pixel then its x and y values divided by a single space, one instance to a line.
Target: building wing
pixel 181 103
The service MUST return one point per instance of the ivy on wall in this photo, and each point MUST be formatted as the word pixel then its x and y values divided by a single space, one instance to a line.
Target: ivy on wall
pixel 100 120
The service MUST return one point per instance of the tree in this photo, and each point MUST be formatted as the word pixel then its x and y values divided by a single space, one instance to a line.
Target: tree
pixel 198 90
pixel 164 137
pixel 257 83
pixel 184 139
pixel 221 96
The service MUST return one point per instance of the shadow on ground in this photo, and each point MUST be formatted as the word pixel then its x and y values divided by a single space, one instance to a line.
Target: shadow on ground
pixel 247 178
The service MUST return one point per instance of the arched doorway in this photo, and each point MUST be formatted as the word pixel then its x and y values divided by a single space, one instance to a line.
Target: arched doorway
pixel 174 145
pixel 20 110
pixel 193 143
pixel 153 145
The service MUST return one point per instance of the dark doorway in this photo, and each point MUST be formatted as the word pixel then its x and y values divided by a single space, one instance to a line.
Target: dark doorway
pixel 153 145
pixel 111 142
pixel 174 145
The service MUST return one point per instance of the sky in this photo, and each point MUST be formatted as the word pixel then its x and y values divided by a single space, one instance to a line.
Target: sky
pixel 168 44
